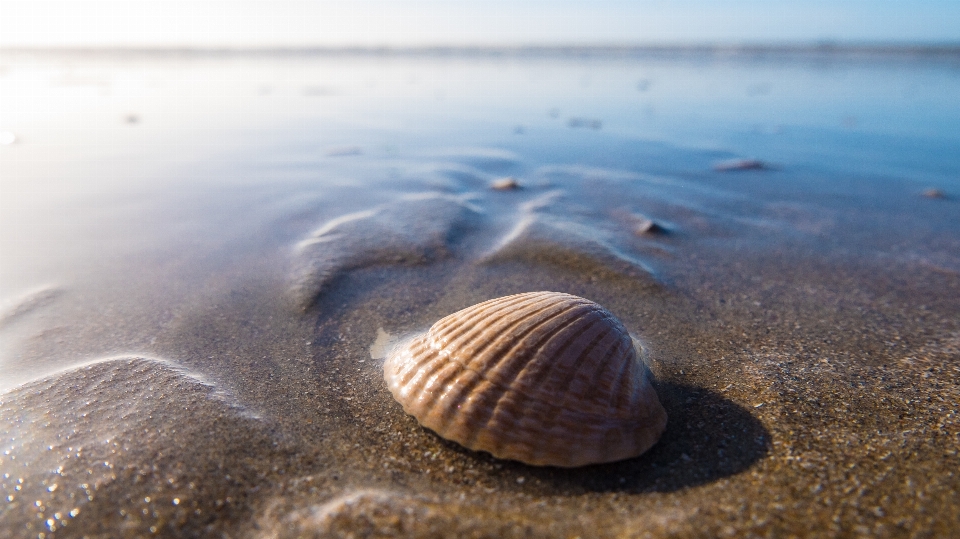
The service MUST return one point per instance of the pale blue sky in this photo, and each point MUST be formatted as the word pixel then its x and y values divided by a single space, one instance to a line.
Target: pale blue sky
pixel 258 23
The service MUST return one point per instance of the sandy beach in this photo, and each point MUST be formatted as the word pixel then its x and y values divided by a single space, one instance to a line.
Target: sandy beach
pixel 195 302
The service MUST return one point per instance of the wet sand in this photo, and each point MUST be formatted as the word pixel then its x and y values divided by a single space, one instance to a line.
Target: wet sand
pixel 200 362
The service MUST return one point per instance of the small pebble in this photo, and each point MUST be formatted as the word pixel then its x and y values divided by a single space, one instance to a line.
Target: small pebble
pixel 934 193
pixel 505 184
pixel 647 226
pixel 7 137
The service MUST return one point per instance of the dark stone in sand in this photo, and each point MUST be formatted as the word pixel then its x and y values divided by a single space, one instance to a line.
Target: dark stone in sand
pixel 740 164
pixel 647 226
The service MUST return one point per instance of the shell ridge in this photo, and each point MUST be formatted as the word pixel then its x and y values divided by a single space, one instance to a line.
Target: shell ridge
pixel 433 350
pixel 408 370
pixel 621 386
pixel 436 395
pixel 610 355
pixel 483 376
pixel 571 374
pixel 510 325
pixel 498 411
pixel 506 355
pixel 429 351
pixel 607 377
pixel 493 305
pixel 393 366
pixel 433 374
pixel 471 329
pixel 633 386
pixel 416 375
pixel 453 327
pixel 540 377
pixel 506 388
pixel 439 383
pixel 452 322
pixel 449 391
pixel 609 437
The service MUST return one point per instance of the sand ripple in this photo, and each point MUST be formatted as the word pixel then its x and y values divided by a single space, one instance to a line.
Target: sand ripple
pixel 540 236
pixel 27 303
pixel 376 513
pixel 554 241
pixel 413 230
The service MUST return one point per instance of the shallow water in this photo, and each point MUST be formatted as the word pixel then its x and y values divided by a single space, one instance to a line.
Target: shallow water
pixel 197 252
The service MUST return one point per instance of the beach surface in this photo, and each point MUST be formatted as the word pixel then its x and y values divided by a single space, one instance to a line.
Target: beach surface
pixel 204 256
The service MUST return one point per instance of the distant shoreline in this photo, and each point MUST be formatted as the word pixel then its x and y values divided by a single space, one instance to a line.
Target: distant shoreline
pixel 943 51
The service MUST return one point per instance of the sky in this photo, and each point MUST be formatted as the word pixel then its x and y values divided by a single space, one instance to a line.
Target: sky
pixel 406 23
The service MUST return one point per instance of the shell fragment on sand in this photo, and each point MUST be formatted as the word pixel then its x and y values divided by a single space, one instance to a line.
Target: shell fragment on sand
pixel 933 193
pixel 732 165
pixel 545 378
pixel 508 183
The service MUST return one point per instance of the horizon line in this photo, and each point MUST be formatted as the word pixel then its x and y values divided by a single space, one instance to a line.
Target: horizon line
pixel 610 49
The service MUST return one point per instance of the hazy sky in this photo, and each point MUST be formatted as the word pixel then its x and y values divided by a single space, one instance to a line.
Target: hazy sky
pixel 253 23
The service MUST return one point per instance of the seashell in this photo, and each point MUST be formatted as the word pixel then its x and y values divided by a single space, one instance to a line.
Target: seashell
pixel 545 378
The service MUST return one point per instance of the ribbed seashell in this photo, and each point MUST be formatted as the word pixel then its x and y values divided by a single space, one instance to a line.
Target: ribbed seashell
pixel 545 378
